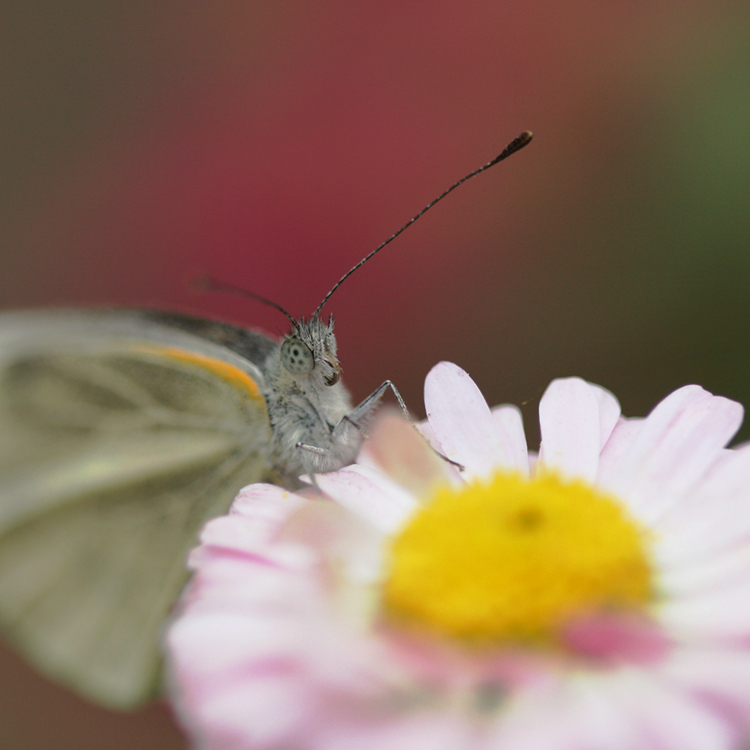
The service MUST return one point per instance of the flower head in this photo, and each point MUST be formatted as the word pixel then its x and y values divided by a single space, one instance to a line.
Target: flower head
pixel 595 595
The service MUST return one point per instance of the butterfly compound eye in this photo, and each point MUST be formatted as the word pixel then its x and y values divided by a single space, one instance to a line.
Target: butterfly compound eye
pixel 296 357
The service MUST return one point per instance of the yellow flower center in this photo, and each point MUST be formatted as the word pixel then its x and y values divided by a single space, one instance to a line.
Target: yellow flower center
pixel 513 559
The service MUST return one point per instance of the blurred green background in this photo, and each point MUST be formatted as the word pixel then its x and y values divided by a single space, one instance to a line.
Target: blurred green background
pixel 273 144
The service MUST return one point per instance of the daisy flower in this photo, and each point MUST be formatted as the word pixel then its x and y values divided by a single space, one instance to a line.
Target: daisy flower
pixel 595 596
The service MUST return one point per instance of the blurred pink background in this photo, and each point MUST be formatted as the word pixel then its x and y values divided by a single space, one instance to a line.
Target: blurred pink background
pixel 274 144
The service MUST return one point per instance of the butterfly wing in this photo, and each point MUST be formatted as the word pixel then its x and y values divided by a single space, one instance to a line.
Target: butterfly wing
pixel 120 435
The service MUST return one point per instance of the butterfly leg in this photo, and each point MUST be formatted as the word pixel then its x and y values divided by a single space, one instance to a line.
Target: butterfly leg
pixel 348 434
pixel 364 408
pixel 312 451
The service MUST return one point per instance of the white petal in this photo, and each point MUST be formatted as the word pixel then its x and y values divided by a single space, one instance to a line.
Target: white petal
pixel 509 422
pixel 620 709
pixel 722 569
pixel 615 448
pixel 571 427
pixel 537 718
pixel 416 730
pixel 269 709
pixel 648 437
pixel 576 713
pixel 715 516
pixel 462 422
pixel 718 614
pixel 609 412
pixel 723 673
pixel 370 495
pixel 674 448
pixel 669 719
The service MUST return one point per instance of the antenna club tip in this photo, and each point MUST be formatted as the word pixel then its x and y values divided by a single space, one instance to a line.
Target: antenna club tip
pixel 515 145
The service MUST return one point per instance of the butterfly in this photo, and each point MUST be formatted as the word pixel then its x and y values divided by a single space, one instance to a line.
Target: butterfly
pixel 121 433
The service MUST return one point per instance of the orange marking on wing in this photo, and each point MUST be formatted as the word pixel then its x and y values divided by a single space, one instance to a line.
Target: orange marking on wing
pixel 224 370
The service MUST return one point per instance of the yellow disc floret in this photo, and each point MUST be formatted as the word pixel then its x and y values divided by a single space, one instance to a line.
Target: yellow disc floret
pixel 513 559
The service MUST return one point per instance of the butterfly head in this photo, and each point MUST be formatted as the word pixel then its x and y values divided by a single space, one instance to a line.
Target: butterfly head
pixel 310 351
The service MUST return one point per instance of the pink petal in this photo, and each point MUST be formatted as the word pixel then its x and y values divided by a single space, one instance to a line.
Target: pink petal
pixel 462 422
pixel 221 582
pixel 370 495
pixel 226 643
pixel 236 534
pixel 397 449
pixel 453 475
pixel 675 446
pixel 509 423
pixel 255 516
pixel 576 418
pixel 265 502
pixel 337 534
pixel 617 638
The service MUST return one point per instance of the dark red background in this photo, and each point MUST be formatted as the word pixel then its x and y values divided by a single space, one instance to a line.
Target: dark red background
pixel 274 144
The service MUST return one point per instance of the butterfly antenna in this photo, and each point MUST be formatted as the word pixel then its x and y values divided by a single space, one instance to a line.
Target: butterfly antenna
pixel 515 145
pixel 210 284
